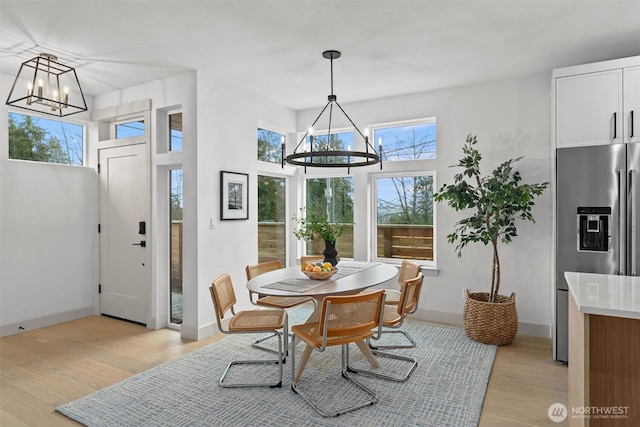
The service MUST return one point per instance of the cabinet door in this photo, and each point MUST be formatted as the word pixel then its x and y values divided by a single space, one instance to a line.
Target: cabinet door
pixel 631 104
pixel 589 109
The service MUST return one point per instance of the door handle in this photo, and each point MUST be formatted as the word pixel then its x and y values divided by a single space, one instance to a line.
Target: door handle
pixel 142 244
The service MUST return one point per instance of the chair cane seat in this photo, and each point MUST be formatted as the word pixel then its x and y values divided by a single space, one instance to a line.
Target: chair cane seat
pixel 257 321
pixel 282 302
pixel 310 333
pixel 392 297
pixel 390 317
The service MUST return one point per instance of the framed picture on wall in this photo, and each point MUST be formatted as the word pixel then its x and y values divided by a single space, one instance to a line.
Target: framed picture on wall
pixel 234 195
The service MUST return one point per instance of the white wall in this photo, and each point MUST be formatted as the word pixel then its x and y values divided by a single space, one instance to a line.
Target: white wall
pixel 227 140
pixel 511 119
pixel 46 239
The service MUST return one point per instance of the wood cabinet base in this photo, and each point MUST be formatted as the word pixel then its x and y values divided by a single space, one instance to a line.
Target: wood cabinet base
pixel 604 370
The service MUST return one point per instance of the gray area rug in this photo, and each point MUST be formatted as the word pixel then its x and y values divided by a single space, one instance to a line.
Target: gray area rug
pixel 446 389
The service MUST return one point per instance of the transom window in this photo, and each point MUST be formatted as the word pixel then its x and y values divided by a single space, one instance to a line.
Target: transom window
pixel 129 129
pixel 175 132
pixel 269 146
pixel 409 141
pixel 45 140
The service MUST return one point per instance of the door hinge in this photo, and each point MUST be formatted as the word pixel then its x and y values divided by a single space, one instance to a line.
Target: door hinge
pixel 98 228
pixel 98 167
pixel 99 288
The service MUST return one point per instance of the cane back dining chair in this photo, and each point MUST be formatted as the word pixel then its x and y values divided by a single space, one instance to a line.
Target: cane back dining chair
pixel 344 319
pixel 245 322
pixel 270 300
pixel 408 270
pixel 393 317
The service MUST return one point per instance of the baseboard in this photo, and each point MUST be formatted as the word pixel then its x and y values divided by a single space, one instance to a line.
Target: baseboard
pixel 201 332
pixel 524 328
pixel 41 322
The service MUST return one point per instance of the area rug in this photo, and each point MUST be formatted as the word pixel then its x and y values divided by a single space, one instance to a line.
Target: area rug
pixel 446 389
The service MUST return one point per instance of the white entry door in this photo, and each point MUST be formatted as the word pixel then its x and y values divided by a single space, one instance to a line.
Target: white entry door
pixel 124 232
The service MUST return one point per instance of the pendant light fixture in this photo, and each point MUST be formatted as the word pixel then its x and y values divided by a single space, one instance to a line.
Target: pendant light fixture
pixel 45 85
pixel 321 154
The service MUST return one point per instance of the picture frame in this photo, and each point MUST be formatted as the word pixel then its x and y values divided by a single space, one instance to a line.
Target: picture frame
pixel 234 195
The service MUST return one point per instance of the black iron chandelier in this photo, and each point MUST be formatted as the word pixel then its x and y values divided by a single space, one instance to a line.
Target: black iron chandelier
pixel 45 85
pixel 320 154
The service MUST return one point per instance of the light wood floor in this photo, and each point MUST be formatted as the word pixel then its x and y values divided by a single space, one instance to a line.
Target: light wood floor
pixel 44 368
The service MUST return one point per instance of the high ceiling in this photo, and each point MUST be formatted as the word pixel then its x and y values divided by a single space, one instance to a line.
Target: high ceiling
pixel 274 47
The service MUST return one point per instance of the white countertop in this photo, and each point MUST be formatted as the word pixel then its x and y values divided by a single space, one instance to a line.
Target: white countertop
pixel 605 294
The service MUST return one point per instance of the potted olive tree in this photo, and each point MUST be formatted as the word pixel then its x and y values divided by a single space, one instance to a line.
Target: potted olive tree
pixel 316 225
pixel 494 203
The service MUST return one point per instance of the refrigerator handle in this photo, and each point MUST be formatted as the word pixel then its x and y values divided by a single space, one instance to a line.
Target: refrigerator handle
pixel 631 136
pixel 615 125
pixel 632 215
pixel 622 241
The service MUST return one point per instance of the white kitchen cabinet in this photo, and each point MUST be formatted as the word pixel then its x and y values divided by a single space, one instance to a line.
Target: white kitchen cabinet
pixel 631 81
pixel 594 104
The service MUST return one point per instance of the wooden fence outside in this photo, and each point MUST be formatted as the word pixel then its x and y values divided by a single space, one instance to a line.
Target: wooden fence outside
pixel 394 241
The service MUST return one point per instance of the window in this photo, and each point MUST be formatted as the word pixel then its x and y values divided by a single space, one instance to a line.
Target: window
pixel 129 129
pixel 45 140
pixel 272 235
pixel 175 132
pixel 410 141
pixel 404 216
pixel 269 146
pixel 175 245
pixel 333 197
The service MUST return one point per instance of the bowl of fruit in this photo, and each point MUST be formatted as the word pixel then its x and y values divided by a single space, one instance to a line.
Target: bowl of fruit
pixel 319 270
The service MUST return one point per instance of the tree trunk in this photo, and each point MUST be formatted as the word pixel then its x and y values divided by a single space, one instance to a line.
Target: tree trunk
pixel 495 274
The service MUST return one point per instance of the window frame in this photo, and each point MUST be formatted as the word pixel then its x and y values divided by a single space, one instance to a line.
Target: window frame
pixel 374 215
pixel 303 201
pixel 287 228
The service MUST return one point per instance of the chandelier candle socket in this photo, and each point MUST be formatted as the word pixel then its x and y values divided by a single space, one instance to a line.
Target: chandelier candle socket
pixel 56 86
pixel 320 154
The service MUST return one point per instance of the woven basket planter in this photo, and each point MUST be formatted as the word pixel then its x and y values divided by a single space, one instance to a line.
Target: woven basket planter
pixel 487 322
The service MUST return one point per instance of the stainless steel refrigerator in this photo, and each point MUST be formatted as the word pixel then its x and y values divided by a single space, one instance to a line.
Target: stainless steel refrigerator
pixel 596 218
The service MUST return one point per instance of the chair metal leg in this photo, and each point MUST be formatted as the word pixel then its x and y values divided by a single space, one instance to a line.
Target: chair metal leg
pixel 295 387
pixel 257 344
pixel 279 361
pixel 411 360
pixel 411 344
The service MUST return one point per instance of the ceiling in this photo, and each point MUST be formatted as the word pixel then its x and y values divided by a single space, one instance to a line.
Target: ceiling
pixel 274 47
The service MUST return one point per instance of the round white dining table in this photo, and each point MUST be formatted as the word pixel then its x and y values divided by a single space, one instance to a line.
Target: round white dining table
pixel 292 282
pixel 374 274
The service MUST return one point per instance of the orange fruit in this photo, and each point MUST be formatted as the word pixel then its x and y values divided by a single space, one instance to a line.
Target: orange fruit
pixel 317 269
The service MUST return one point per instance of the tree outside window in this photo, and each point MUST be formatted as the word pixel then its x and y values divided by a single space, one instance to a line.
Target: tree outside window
pixel 332 197
pixel 45 140
pixel 407 141
pixel 272 198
